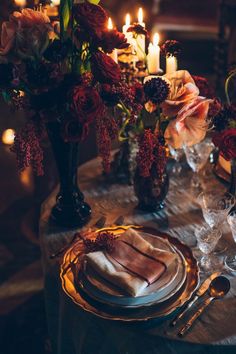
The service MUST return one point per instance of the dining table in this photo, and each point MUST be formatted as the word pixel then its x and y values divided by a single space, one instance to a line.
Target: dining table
pixel 73 330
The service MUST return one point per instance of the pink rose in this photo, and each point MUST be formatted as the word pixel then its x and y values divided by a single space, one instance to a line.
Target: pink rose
pixel 25 35
pixel 190 125
pixel 182 91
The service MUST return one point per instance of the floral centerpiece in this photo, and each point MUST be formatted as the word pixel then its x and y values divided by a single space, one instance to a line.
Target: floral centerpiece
pixel 61 74
pixel 181 116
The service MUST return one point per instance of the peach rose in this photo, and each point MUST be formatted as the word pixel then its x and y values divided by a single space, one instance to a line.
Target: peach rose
pixel 25 35
pixel 190 125
pixel 182 91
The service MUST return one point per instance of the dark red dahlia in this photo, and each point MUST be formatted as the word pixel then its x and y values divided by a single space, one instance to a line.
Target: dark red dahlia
pixel 136 28
pixel 171 47
pixel 226 118
pixel 92 18
pixel 205 89
pixel 156 90
pixel 112 39
pixel 104 69
pixel 226 143
pixel 86 103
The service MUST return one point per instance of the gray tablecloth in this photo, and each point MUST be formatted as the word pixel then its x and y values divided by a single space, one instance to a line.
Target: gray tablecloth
pixel 72 330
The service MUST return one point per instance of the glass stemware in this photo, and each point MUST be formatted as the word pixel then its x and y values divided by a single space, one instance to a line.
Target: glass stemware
pixel 230 261
pixel 215 208
pixel 177 155
pixel 207 239
pixel 197 156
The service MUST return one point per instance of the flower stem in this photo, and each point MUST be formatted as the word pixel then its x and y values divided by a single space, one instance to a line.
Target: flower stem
pixel 227 86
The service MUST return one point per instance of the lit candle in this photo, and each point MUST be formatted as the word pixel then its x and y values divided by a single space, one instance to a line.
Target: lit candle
pixel 141 37
pixel 20 3
pixel 140 17
pixel 55 2
pixel 171 64
pixel 8 136
pixel 153 57
pixel 114 54
pixel 127 24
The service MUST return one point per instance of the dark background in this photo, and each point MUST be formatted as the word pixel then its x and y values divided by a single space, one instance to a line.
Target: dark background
pixel 22 323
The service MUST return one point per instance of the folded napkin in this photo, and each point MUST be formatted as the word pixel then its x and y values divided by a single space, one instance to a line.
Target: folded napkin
pixel 133 264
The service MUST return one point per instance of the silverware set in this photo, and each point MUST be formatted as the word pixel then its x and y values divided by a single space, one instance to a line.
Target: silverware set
pixel 215 287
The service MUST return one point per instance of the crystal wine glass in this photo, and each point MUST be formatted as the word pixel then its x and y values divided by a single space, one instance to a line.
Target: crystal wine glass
pixel 207 239
pixel 215 208
pixel 177 154
pixel 230 261
pixel 197 156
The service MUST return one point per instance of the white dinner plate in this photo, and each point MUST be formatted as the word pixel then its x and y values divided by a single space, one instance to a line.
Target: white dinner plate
pixel 165 287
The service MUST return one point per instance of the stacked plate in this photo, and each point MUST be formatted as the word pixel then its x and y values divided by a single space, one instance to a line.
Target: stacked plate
pixel 92 292
pixel 166 286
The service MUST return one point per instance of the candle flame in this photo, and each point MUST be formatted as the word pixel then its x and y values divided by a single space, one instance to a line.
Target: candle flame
pixel 55 2
pixel 140 15
pixel 127 20
pixel 156 39
pixel 8 136
pixel 110 24
pixel 20 3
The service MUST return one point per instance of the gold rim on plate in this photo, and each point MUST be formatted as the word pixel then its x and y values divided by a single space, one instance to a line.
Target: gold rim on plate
pixel 70 268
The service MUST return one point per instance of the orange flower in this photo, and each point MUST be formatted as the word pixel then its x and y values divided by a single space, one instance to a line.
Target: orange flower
pixel 190 125
pixel 182 91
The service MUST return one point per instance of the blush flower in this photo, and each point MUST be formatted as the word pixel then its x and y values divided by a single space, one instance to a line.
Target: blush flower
pixel 182 91
pixel 190 126
pixel 26 34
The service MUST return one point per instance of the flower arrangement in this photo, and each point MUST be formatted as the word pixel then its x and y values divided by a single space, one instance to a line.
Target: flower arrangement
pixel 180 117
pixel 62 72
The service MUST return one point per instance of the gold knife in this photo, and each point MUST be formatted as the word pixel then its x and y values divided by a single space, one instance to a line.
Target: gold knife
pixel 201 291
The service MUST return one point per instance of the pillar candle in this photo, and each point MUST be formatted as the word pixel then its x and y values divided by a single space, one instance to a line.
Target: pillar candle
pixel 171 64
pixel 153 57
pixel 114 54
pixel 141 38
pixel 20 3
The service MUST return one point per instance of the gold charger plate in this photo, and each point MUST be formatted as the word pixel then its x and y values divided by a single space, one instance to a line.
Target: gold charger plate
pixel 70 268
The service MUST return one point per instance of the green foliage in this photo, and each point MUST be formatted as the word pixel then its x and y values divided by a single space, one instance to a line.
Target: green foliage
pixel 95 2
pixel 65 15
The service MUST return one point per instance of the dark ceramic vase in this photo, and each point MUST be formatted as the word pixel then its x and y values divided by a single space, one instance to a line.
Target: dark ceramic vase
pixel 70 210
pixel 151 191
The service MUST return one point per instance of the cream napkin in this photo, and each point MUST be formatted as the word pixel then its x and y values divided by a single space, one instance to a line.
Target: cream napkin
pixel 134 257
